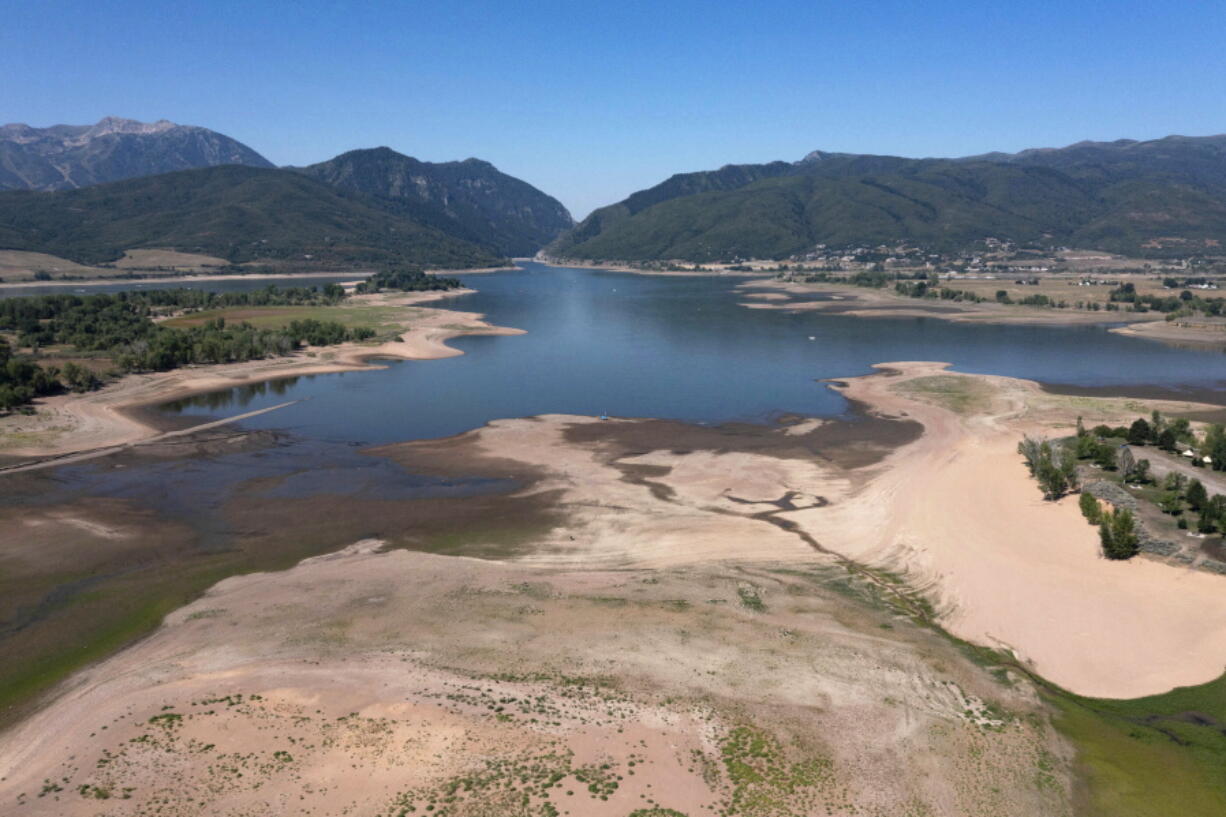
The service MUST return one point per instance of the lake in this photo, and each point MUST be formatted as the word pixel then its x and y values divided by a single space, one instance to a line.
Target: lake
pixel 674 347
pixel 597 342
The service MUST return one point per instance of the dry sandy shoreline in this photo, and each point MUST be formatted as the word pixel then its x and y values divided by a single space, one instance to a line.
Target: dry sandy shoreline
pixel 180 279
pixel 687 566
pixel 109 417
pixel 235 276
pixel 706 273
pixel 875 303
pixel 871 303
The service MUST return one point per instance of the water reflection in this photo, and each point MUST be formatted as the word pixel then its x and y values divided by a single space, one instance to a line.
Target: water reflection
pixel 238 396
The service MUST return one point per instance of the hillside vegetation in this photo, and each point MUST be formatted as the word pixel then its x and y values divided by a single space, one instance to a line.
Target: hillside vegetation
pixel 1159 197
pixel 237 213
pixel 471 200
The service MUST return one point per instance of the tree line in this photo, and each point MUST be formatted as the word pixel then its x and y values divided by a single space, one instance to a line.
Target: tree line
pixel 406 279
pixel 122 326
pixel 1054 465
pixel 928 285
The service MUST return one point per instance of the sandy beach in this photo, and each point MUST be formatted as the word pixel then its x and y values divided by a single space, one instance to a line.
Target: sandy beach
pixel 861 302
pixel 958 514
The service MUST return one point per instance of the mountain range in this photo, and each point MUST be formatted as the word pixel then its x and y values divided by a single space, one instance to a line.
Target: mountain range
pixel 233 212
pixel 1160 196
pixel 89 193
pixel 471 199
pixel 64 157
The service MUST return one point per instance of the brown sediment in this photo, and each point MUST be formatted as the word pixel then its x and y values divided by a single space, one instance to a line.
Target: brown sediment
pixel 108 569
pixel 688 565
pixel 354 680
pixel 863 441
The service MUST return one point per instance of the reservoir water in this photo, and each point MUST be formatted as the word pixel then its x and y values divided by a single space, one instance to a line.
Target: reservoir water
pixel 674 347
pixel 597 342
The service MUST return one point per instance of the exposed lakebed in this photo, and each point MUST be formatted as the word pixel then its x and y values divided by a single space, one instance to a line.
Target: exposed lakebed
pixel 141 532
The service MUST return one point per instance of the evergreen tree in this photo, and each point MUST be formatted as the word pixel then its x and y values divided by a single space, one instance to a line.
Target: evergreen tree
pixel 1118 534
pixel 1196 495
pixel 1090 508
pixel 1138 432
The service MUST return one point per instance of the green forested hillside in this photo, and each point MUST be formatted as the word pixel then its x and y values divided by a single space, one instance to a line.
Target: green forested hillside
pixel 233 212
pixel 1136 198
pixel 471 199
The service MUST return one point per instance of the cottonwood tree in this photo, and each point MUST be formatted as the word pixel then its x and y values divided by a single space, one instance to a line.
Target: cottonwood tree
pixel 1055 467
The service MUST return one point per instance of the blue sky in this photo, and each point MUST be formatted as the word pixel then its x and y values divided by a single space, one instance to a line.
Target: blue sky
pixel 590 102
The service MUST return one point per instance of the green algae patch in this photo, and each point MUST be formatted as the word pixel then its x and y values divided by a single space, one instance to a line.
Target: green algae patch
pixel 1148 757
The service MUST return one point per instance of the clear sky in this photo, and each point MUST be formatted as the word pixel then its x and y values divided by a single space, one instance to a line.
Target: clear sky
pixel 591 101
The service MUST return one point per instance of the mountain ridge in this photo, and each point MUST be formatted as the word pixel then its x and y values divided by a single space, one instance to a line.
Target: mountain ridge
pixel 470 198
pixel 239 213
pixel 64 157
pixel 1137 197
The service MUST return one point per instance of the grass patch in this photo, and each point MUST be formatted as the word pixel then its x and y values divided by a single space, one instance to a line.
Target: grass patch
pixel 387 321
pixel 963 395
pixel 1149 757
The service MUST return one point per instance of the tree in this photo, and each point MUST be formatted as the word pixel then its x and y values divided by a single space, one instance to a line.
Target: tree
pixel 1139 473
pixel 1029 449
pixel 78 378
pixel 1104 456
pixel 1170 503
pixel 1215 446
pixel 1086 446
pixel 1196 495
pixel 1216 511
pixel 1138 432
pixel 1068 467
pixel 1126 462
pixel 1090 508
pixel 1118 534
pixel 1051 479
pixel 1166 440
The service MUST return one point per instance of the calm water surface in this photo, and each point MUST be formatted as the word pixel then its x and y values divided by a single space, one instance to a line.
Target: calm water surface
pixel 597 342
pixel 681 348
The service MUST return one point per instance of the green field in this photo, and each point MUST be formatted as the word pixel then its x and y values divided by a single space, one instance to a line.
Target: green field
pixel 387 321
